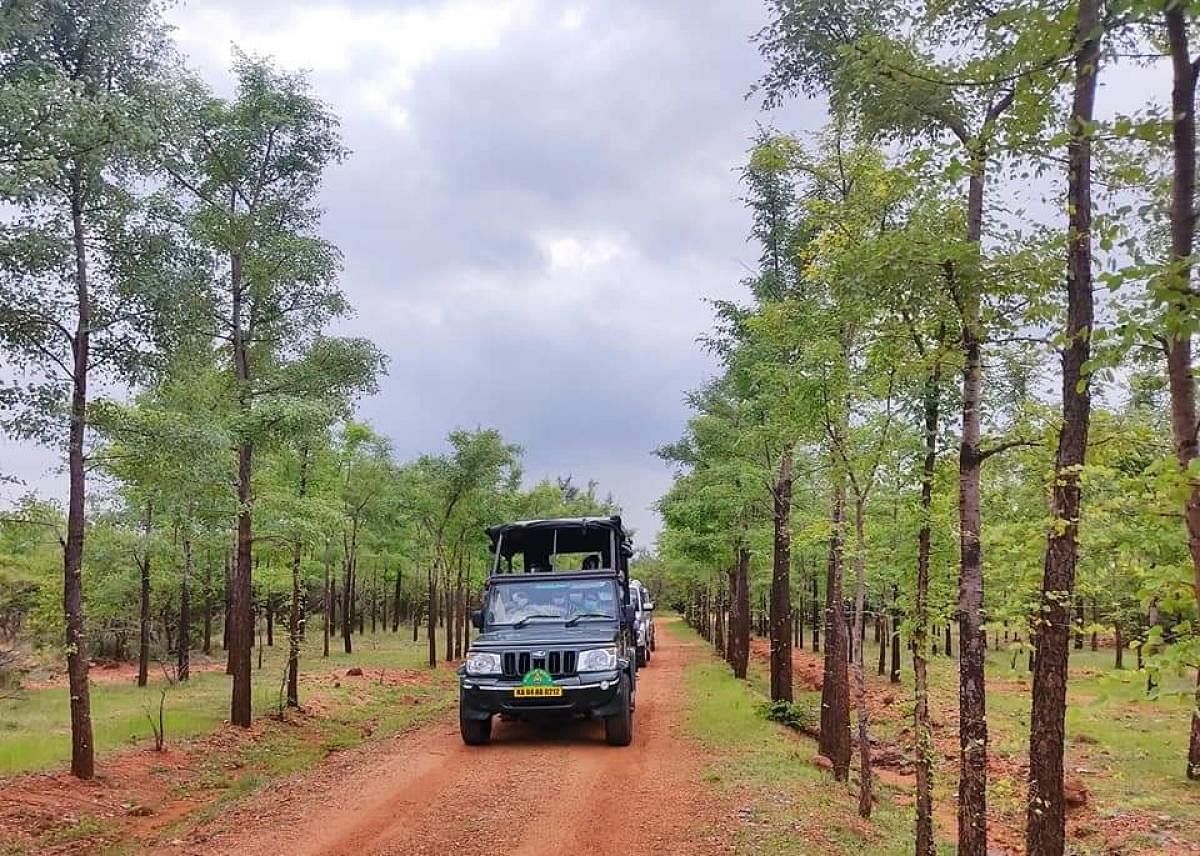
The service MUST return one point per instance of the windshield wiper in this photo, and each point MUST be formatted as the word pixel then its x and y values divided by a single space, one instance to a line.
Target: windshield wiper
pixel 519 624
pixel 582 615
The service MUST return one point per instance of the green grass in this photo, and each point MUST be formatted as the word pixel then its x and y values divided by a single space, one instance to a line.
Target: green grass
pixel 35 728
pixel 794 808
pixel 1128 747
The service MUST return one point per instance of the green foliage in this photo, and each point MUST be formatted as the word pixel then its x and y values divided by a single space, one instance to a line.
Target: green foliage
pixel 798 717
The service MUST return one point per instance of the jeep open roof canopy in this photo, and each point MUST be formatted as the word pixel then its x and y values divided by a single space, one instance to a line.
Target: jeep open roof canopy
pixel 538 540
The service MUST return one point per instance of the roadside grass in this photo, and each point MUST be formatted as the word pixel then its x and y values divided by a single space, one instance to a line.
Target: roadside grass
pixel 229 764
pixel 35 728
pixel 1126 746
pixel 787 806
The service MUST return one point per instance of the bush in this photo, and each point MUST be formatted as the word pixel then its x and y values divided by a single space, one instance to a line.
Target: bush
pixel 795 716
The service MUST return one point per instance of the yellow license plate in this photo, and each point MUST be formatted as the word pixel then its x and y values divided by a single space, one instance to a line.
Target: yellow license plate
pixel 538 692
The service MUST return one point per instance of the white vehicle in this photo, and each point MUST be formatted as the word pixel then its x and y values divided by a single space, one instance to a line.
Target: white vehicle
pixel 639 597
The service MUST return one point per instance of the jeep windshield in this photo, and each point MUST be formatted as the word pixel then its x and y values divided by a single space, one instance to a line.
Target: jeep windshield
pixel 523 602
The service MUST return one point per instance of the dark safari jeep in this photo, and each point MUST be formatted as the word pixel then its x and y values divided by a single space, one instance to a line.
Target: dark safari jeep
pixel 556 629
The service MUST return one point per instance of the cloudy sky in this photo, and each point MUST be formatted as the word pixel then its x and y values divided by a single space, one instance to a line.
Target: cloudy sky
pixel 541 196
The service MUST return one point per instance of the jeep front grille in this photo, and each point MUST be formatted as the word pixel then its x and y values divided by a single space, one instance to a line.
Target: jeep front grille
pixel 560 664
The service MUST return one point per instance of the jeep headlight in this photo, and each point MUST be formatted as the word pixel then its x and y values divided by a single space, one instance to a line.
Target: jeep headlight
pixel 598 660
pixel 483 663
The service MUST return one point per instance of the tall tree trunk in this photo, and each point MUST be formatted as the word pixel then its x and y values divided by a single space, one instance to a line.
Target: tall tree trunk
pixel 925 844
pixel 327 591
pixel 82 749
pixel 894 670
pixel 835 690
pixel 227 601
pixel 183 661
pixel 740 638
pixel 1180 373
pixel 208 607
pixel 865 792
pixel 881 635
pixel 144 601
pixel 816 614
pixel 240 630
pixel 399 594
pixel 781 582
pixel 1046 817
pixel 349 558
pixel 718 635
pixel 295 614
pixel 731 617
pixel 431 617
pixel 448 616
pixel 269 610
pixel 972 783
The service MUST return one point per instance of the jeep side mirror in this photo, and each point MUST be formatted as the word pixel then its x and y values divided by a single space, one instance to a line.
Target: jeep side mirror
pixel 648 606
pixel 477 619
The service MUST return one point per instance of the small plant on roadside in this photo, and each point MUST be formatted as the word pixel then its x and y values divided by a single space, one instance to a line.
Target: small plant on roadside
pixel 170 679
pixel 795 716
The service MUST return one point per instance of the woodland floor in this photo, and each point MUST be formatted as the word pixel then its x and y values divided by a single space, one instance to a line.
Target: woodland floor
pixel 374 765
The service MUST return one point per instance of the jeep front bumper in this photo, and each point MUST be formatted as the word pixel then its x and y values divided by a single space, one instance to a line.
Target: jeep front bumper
pixel 593 694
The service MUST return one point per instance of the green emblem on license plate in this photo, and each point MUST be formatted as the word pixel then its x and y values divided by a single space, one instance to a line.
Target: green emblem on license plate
pixel 537 683
pixel 537 678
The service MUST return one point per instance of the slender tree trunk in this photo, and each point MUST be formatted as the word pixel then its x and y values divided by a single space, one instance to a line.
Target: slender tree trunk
pixel 865 790
pixel 208 606
pixel 448 616
pixel 781 583
pixel 399 594
pixel 1046 817
pixel 718 639
pixel 816 615
pixel 731 618
pixel 349 559
pixel 431 617
pixel 1118 647
pixel 327 592
pixel 144 601
pixel 894 671
pixel 835 689
pixel 183 662
pixel 925 844
pixel 740 638
pixel 295 616
pixel 882 634
pixel 227 600
pixel 82 750
pixel 1180 372
pixel 269 609
pixel 240 630
pixel 973 738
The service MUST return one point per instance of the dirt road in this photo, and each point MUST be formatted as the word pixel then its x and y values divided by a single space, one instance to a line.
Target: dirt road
pixel 530 792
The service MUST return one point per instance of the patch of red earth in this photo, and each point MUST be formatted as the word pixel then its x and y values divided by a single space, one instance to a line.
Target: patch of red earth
pixel 119 672
pixel 137 792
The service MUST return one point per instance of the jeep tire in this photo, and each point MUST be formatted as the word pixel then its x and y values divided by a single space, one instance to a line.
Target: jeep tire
pixel 643 656
pixel 475 732
pixel 618 728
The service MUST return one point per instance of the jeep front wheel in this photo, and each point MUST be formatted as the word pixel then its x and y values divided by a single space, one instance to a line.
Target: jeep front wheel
pixel 475 732
pixel 618 728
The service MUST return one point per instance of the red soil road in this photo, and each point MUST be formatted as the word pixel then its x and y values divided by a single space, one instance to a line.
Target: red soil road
pixel 532 791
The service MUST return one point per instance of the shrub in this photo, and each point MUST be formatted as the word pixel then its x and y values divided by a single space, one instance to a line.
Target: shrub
pixel 795 716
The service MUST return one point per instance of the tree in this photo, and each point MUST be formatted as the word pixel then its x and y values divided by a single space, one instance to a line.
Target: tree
pixel 83 273
pixel 1177 298
pixel 1046 829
